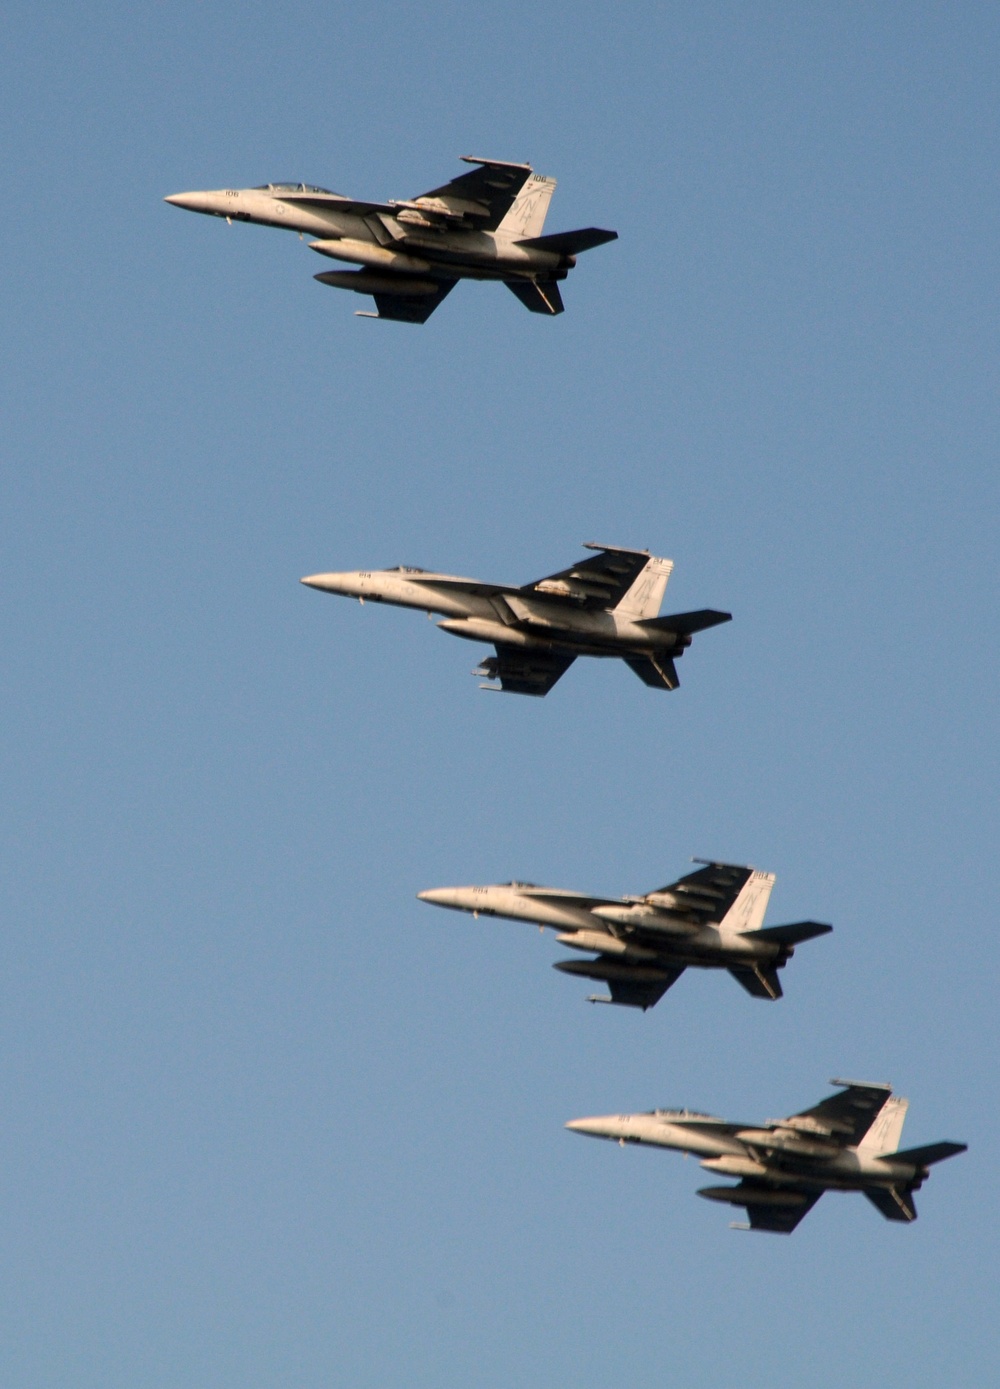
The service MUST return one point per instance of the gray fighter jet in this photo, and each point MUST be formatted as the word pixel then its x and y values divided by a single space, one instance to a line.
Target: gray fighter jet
pixel 847 1142
pixel 711 919
pixel 605 606
pixel 483 225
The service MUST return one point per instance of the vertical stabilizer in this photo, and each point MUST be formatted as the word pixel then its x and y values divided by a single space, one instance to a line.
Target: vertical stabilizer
pixel 884 1134
pixel 747 912
pixel 527 213
pixel 643 599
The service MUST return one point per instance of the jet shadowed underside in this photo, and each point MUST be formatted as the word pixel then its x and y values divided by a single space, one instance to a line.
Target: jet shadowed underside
pixel 483 225
pixel 711 919
pixel 605 606
pixel 847 1142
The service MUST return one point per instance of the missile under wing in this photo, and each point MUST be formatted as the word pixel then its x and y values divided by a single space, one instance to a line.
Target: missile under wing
pixel 486 224
pixel 847 1142
pixel 605 605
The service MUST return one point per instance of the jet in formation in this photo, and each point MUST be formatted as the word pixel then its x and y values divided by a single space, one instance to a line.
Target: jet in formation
pixel 484 225
pixel 604 606
pixel 641 945
pixel 847 1142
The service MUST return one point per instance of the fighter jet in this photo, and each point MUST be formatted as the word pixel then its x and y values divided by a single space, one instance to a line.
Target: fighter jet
pixel 604 606
pixel 483 225
pixel 847 1142
pixel 711 919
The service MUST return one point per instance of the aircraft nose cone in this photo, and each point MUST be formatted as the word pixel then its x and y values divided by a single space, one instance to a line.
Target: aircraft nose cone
pixel 198 202
pixel 443 896
pixel 597 1128
pixel 324 582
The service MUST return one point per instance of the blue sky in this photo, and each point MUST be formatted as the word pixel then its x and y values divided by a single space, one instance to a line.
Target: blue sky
pixel 267 1118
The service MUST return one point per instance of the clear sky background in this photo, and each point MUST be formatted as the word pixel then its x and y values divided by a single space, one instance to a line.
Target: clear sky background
pixel 268 1120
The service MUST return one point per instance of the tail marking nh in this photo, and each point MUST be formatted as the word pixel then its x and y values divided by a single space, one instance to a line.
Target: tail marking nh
pixel 643 599
pixel 526 216
pixel 883 1136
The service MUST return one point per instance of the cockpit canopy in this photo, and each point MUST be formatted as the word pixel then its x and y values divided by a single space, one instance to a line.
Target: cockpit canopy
pixel 679 1114
pixel 295 188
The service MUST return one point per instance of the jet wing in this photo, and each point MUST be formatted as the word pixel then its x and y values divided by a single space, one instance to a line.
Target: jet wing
pixel 847 1116
pixel 601 582
pixel 411 308
pixel 778 1208
pixel 779 1219
pixel 525 672
pixel 707 894
pixel 483 196
pixel 635 986
pixel 634 994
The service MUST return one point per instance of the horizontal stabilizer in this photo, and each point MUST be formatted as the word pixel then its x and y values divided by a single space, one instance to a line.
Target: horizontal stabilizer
pixel 684 624
pixel 758 980
pixel 655 670
pixel 794 933
pixel 928 1155
pixel 895 1203
pixel 538 296
pixel 570 243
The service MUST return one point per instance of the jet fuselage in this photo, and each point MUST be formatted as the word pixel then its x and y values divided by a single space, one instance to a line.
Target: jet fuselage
pixel 760 1154
pixel 492 614
pixel 405 248
pixel 607 927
